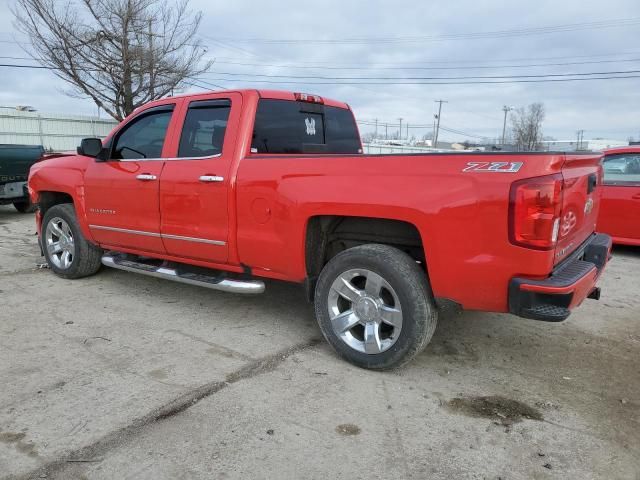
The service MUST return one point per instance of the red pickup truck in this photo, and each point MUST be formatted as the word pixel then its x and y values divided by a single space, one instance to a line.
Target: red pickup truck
pixel 224 189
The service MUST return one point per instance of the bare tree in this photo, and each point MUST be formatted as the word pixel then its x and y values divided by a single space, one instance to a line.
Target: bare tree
pixel 120 53
pixel 368 137
pixel 526 126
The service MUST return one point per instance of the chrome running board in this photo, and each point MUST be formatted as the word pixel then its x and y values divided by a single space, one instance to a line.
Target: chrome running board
pixel 213 279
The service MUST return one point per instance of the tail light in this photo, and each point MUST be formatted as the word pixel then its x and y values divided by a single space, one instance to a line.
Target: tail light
pixel 534 212
pixel 305 97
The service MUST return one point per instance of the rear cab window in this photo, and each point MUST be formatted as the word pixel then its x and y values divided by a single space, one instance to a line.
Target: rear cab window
pixel 296 127
pixel 622 169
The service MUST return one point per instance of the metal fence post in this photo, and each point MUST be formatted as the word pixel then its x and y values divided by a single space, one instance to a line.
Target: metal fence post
pixel 40 130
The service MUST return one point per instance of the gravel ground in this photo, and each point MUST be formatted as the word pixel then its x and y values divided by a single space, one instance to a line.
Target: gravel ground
pixel 121 376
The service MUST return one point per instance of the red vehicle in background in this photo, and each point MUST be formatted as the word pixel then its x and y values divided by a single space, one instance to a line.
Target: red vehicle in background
pixel 620 206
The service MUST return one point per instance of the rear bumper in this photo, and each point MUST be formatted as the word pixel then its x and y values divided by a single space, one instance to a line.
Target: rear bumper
pixel 568 285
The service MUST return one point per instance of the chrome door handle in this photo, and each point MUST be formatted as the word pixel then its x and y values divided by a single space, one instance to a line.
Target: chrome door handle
pixel 146 177
pixel 211 178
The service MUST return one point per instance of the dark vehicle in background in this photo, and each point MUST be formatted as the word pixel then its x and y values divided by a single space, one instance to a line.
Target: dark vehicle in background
pixel 620 207
pixel 15 162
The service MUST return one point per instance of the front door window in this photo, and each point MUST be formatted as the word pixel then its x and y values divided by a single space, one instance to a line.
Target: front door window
pixel 143 138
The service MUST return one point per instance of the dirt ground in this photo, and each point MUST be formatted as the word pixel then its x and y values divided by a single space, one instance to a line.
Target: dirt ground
pixel 120 376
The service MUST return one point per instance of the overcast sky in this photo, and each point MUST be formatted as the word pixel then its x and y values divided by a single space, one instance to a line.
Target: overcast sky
pixel 603 108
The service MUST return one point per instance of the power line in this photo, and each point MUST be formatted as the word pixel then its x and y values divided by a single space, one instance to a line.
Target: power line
pixel 469 77
pixel 226 46
pixel 460 132
pixel 422 127
pixel 51 68
pixel 16 58
pixel 27 66
pixel 614 23
pixel 441 62
pixel 373 67
pixel 472 82
pixel 193 84
pixel 419 80
pixel 394 65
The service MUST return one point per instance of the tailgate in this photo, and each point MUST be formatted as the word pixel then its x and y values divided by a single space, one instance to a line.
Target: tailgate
pixel 580 202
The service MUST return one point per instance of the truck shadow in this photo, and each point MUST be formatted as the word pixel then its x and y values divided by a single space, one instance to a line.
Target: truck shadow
pixel 466 339
pixel 626 251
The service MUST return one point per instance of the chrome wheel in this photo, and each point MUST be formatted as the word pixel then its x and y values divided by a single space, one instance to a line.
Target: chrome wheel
pixel 365 311
pixel 59 243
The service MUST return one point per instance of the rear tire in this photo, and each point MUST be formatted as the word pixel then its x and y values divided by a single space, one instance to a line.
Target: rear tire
pixel 25 206
pixel 374 306
pixel 67 252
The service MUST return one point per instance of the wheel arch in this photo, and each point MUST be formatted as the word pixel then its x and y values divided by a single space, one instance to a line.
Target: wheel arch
pixel 46 199
pixel 328 235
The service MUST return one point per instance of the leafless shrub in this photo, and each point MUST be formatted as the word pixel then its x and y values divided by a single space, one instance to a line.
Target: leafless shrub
pixel 526 126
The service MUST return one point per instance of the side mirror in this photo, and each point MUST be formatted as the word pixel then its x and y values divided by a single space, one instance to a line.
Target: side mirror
pixel 91 147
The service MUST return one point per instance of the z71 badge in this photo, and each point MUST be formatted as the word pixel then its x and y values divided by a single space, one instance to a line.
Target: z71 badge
pixel 497 167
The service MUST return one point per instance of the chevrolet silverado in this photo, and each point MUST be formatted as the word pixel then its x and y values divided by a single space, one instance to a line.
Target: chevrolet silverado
pixel 225 189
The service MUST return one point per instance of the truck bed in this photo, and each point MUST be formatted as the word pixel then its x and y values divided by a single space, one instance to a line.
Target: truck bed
pixel 459 207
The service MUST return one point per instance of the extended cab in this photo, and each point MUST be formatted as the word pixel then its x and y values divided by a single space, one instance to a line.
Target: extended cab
pixel 225 189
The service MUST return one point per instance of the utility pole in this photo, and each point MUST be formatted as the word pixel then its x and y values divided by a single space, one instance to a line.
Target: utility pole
pixel 376 134
pixel 506 110
pixel 440 102
pixel 400 129
pixel 433 136
pixel 386 131
pixel 580 134
pixel 407 132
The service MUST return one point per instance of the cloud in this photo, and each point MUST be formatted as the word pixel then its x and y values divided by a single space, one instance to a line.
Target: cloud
pixel 601 108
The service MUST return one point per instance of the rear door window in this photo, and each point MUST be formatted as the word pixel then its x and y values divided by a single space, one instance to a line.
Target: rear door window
pixel 283 126
pixel 622 169
pixel 204 128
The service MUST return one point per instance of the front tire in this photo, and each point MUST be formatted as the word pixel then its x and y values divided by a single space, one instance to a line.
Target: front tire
pixel 374 306
pixel 67 252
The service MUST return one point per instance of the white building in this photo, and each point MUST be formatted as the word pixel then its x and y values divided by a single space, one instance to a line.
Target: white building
pixel 53 132
pixel 595 144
